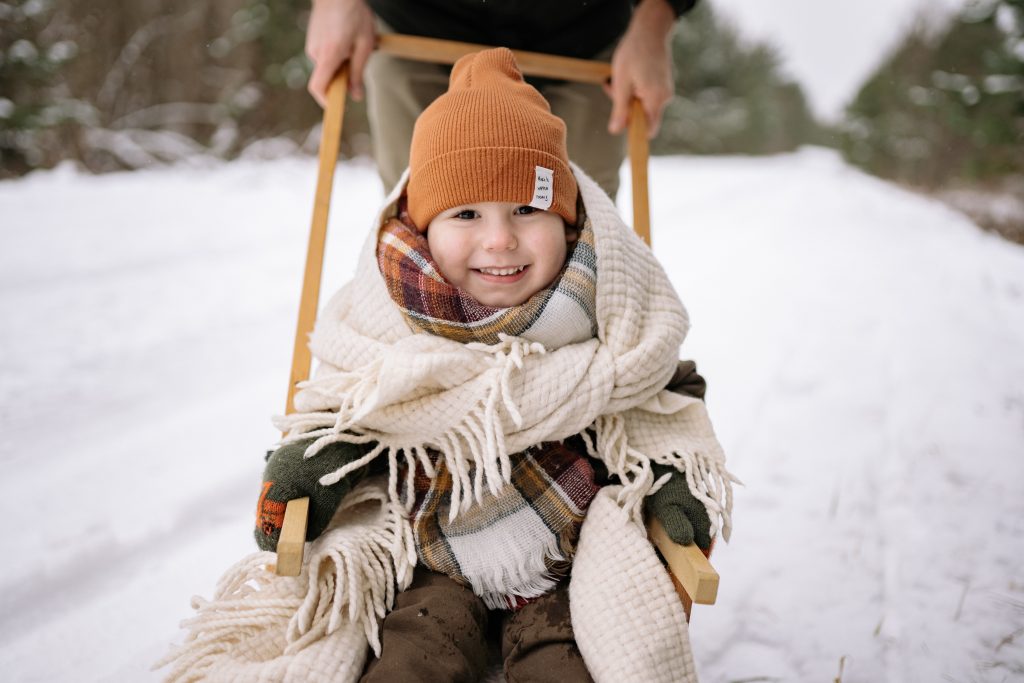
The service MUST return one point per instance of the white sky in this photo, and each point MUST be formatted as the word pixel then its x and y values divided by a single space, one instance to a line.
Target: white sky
pixel 829 46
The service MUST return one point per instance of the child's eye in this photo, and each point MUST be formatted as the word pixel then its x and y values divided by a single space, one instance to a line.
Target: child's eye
pixel 526 210
pixel 466 214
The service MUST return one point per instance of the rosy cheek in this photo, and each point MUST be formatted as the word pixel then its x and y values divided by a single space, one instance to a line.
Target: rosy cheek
pixel 446 254
pixel 448 257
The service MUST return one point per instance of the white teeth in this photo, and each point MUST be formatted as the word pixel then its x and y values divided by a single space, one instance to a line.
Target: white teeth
pixel 501 271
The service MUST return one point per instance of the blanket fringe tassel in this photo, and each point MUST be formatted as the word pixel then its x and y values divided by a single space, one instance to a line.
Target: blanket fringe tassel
pixel 352 574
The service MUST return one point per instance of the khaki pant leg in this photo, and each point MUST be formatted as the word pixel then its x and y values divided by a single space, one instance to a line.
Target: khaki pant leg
pixel 436 633
pixel 397 91
pixel 538 645
pixel 586 109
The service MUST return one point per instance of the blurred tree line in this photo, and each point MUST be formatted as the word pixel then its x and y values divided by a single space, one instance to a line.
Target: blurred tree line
pixel 947 103
pixel 130 84
pixel 732 97
pixel 944 112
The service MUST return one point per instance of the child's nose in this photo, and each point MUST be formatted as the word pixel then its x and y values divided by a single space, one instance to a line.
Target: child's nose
pixel 499 235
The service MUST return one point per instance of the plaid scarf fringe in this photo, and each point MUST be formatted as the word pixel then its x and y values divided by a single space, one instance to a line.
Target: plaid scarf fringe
pixel 516 545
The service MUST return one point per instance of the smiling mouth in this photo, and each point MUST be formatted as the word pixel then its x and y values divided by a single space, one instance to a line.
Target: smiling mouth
pixel 502 276
pixel 501 271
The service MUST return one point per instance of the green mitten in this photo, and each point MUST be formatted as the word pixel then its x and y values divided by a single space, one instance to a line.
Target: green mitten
pixel 684 517
pixel 289 475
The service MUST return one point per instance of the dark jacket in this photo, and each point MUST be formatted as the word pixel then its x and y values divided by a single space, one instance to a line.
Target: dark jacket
pixel 574 28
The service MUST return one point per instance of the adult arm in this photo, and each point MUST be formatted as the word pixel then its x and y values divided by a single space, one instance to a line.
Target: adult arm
pixel 642 64
pixel 339 30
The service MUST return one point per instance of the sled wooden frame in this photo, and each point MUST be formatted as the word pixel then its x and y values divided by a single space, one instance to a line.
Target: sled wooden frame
pixel 694 578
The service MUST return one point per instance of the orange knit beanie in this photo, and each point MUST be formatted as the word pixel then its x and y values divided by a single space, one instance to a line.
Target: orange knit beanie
pixel 490 138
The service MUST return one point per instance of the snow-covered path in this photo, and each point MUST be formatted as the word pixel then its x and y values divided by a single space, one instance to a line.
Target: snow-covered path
pixel 863 348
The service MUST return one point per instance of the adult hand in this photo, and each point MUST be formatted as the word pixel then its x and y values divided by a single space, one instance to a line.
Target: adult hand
pixel 642 66
pixel 339 30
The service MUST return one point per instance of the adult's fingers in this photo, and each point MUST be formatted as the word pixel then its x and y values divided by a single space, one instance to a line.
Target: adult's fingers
pixel 326 61
pixel 319 80
pixel 621 93
pixel 357 64
pixel 654 102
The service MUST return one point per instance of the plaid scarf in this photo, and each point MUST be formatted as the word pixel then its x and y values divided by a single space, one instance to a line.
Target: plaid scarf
pixel 563 313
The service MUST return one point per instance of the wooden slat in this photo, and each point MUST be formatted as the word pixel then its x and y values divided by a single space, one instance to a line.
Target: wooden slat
pixel 688 565
pixel 290 550
pixel 293 537
pixel 330 141
pixel 639 155
pixel 531 63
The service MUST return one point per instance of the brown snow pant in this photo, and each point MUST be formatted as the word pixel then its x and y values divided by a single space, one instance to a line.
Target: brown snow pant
pixel 437 633
pixel 397 90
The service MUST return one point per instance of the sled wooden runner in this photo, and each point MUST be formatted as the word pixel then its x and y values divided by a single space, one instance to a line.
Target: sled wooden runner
pixel 694 577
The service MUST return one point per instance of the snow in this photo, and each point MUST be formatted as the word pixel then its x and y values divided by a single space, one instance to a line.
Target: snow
pixel 862 346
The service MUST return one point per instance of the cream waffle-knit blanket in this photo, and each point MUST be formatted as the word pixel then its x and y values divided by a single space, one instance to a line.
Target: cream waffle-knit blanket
pixel 380 380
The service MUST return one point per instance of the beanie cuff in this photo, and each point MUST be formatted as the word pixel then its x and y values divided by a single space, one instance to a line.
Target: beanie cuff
pixel 488 174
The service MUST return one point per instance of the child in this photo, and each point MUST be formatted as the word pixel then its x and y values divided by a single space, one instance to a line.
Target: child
pixel 520 365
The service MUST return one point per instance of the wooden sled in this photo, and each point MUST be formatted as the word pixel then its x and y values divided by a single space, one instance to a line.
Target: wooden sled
pixel 693 576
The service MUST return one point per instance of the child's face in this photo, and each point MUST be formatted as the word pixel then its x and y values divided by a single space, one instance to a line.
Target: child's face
pixel 500 253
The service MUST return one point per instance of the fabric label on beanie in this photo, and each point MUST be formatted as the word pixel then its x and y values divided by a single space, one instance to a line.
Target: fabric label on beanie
pixel 543 187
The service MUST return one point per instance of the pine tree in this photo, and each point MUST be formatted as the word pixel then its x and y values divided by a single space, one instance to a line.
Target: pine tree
pixel 35 111
pixel 152 82
pixel 948 103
